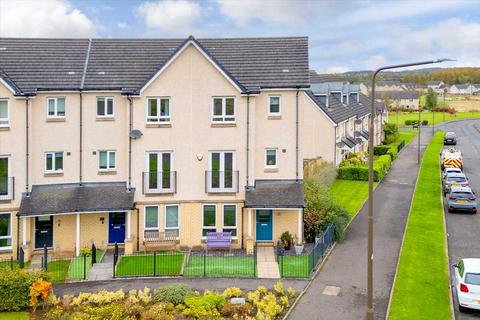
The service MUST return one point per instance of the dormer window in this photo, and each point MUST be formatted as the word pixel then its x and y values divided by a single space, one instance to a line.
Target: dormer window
pixel 322 98
pixel 337 95
pixel 354 96
pixel 345 99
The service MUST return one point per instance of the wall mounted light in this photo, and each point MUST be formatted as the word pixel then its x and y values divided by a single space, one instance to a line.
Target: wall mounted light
pixel 59 222
pixel 102 220
pixel 199 156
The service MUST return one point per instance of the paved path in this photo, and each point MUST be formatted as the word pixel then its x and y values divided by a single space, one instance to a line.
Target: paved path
pixel 267 267
pixel 464 229
pixel 201 284
pixel 102 270
pixel 347 266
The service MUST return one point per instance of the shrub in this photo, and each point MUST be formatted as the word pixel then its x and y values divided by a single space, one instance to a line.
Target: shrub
pixel 391 132
pixel 204 307
pixel 101 298
pixel 159 311
pixel 15 288
pixel 381 150
pixel 86 251
pixel 232 292
pixel 286 240
pixel 424 122
pixel 174 293
pixel 39 289
pixel 236 311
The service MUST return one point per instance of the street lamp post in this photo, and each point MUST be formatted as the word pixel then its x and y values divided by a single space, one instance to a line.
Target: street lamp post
pixel 371 134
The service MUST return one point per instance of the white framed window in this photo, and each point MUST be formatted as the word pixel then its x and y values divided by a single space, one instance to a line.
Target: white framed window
pixel 56 107
pixel 271 158
pixel 107 160
pixel 158 110
pixel 172 221
pixel 4 113
pixel 222 176
pixel 53 162
pixel 223 109
pixel 105 107
pixel 322 98
pixel 160 174
pixel 230 219
pixel 274 105
pixel 150 221
pixel 5 231
pixel 209 219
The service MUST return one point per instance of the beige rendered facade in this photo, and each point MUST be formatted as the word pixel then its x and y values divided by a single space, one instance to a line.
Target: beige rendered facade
pixel 192 133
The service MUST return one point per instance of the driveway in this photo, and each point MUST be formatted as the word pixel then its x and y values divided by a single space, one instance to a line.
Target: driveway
pixel 463 230
pixel 347 266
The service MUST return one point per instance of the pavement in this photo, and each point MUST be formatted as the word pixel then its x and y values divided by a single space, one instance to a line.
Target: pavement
pixel 267 267
pixel 102 270
pixel 339 291
pixel 463 230
pixel 201 284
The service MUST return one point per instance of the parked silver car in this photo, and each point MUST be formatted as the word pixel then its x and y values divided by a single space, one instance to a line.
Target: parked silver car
pixel 454 180
pixel 462 199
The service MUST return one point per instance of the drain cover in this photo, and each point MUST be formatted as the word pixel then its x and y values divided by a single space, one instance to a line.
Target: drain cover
pixel 331 291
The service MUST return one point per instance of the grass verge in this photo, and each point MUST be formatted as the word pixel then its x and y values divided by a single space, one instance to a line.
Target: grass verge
pixel 350 194
pixel 220 266
pixel 295 266
pixel 14 316
pixel 407 135
pixel 71 269
pixel 422 289
pixel 169 264
pixel 439 117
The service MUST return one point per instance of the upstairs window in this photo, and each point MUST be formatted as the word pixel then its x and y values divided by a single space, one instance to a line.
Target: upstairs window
pixel 271 158
pixel 56 107
pixel 107 160
pixel 104 107
pixel 344 99
pixel 322 98
pixel 158 110
pixel 337 95
pixel 274 105
pixel 353 96
pixel 4 115
pixel 223 110
pixel 53 162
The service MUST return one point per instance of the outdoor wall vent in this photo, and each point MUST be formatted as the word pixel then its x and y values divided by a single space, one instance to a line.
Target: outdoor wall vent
pixel 3 48
pixel 285 70
pixel 71 72
pixel 101 72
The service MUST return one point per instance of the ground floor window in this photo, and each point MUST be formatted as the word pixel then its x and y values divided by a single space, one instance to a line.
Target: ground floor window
pixel 230 219
pixel 171 218
pixel 5 231
pixel 209 219
pixel 151 218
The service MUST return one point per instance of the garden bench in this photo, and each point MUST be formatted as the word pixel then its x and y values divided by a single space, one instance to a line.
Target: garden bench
pixel 219 240
pixel 156 240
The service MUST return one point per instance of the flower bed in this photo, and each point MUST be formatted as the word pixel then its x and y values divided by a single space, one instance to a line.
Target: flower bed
pixel 172 302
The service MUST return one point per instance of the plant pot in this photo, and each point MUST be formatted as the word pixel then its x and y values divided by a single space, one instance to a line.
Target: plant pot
pixel 298 249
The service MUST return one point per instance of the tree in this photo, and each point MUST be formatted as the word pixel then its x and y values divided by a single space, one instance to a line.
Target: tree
pixel 388 101
pixel 431 99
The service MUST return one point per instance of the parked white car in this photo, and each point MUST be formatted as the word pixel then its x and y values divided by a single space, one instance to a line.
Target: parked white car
pixel 467 283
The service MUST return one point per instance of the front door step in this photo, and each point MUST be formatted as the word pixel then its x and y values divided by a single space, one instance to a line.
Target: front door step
pixel 264 244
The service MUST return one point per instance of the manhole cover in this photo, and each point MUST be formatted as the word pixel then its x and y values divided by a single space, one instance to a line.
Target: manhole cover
pixel 331 291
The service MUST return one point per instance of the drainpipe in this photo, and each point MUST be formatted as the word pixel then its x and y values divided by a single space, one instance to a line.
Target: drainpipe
pixel 335 147
pixel 138 226
pixel 296 135
pixel 130 128
pixel 27 155
pixel 248 142
pixel 18 237
pixel 80 178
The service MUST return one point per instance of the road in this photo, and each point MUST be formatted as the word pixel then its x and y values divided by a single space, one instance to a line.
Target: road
pixel 463 230
pixel 346 267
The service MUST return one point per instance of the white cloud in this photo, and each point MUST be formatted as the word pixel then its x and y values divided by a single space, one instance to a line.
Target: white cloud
pixel 286 11
pixel 335 69
pixel 174 17
pixel 374 62
pixel 47 18
pixel 123 25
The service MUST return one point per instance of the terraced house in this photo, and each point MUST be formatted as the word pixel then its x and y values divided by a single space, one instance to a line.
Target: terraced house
pixel 110 141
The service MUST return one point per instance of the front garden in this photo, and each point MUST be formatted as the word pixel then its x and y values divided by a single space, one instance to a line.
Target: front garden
pixel 61 269
pixel 29 292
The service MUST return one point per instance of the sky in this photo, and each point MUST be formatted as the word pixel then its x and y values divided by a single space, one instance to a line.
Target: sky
pixel 343 35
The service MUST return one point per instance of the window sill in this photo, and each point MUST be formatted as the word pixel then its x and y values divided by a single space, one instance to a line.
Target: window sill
pixel 53 174
pixel 5 128
pixel 105 119
pixel 106 172
pixel 63 119
pixel 274 117
pixel 158 125
pixel 6 250
pixel 270 170
pixel 223 125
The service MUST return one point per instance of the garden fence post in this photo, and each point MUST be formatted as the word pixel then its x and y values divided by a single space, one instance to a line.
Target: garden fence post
pixel 21 258
pixel 255 261
pixel 85 266
pixel 154 263
pixel 94 254
pixel 45 257
pixel 11 263
pixel 204 264
pixel 115 257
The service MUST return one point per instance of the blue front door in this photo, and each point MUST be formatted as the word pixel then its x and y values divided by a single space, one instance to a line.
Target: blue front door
pixel 264 225
pixel 116 230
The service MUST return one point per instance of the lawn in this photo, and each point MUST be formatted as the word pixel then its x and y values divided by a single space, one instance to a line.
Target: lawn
pixel 422 289
pixel 350 194
pixel 145 265
pixel 226 266
pixel 14 316
pixel 295 266
pixel 407 135
pixel 71 269
pixel 400 118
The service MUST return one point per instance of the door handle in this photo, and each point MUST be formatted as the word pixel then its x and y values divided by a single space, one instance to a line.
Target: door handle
pixel 43 231
pixel 264 224
pixel 116 227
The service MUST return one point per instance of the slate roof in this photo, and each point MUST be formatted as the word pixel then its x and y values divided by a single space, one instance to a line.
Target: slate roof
pixel 398 94
pixel 336 111
pixel 275 194
pixel 321 78
pixel 349 141
pixel 127 64
pixel 461 86
pixel 434 83
pixel 71 197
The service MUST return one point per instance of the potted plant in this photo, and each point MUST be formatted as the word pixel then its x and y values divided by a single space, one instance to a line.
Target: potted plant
pixel 280 249
pixel 286 240
pixel 298 246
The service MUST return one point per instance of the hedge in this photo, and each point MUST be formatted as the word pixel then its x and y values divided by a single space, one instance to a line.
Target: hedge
pixel 381 150
pixel 381 166
pixel 14 288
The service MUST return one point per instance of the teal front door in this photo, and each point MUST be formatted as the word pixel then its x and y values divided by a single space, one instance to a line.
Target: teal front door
pixel 264 225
